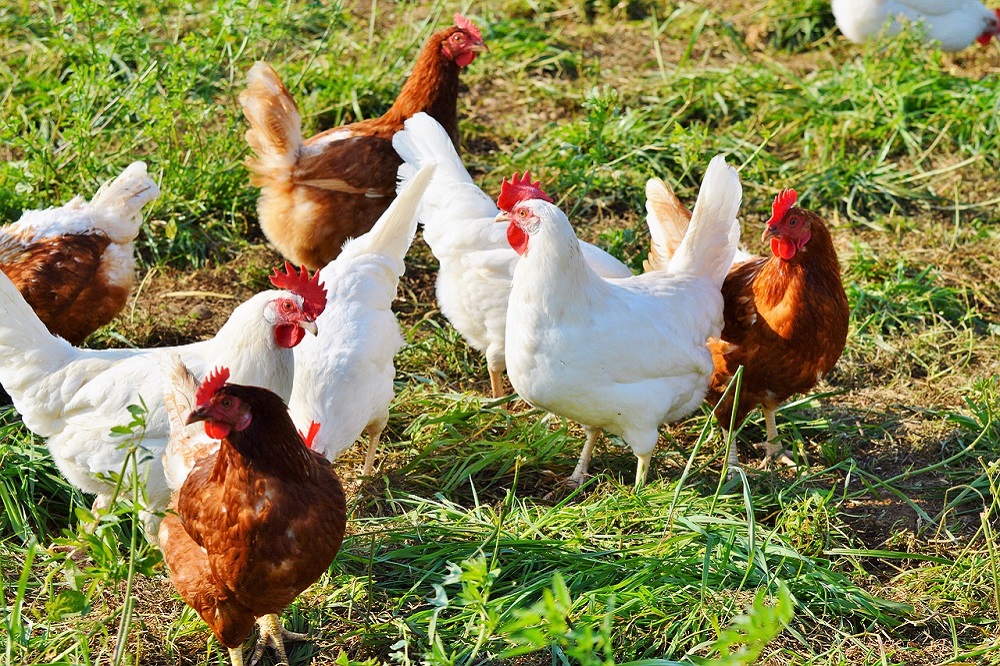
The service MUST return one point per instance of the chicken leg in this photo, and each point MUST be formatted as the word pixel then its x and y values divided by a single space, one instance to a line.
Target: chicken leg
pixel 580 473
pixel 773 451
pixel 642 469
pixel 374 431
pixel 496 383
pixel 272 634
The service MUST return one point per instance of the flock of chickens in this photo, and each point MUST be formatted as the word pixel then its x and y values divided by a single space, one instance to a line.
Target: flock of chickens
pixel 240 429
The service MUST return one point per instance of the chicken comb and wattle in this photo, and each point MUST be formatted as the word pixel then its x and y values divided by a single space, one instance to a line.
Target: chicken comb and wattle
pixel 313 292
pixel 781 247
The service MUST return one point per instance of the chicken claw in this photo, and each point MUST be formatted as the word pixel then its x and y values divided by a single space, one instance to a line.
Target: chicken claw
pixel 775 452
pixel 272 634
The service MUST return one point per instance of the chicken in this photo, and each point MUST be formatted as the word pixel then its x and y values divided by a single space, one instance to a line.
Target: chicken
pixel 476 261
pixel 316 194
pixel 74 264
pixel 344 376
pixel 954 24
pixel 256 522
pixel 622 355
pixel 786 320
pixel 74 397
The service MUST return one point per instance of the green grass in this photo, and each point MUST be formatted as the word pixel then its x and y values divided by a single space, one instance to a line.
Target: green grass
pixel 882 549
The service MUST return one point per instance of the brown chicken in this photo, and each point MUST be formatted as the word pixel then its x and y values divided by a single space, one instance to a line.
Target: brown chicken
pixel 74 264
pixel 256 522
pixel 315 194
pixel 786 320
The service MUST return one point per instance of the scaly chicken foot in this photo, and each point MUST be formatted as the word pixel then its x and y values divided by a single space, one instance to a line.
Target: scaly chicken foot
pixel 642 468
pixel 374 435
pixel 774 451
pixel 496 383
pixel 272 634
pixel 579 474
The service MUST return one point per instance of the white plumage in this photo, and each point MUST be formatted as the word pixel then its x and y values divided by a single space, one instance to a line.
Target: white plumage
pixel 954 24
pixel 621 355
pixel 476 261
pixel 344 376
pixel 73 397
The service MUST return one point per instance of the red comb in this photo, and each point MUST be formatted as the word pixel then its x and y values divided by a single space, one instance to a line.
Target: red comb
pixel 310 435
pixel 312 292
pixel 468 27
pixel 213 382
pixel 785 200
pixel 518 190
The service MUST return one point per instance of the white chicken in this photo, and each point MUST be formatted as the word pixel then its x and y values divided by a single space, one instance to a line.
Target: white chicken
pixel 476 261
pixel 74 397
pixel 343 376
pixel 622 355
pixel 954 24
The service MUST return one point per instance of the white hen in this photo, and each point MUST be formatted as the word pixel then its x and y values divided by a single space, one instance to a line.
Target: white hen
pixel 476 261
pixel 343 376
pixel 73 397
pixel 954 24
pixel 622 355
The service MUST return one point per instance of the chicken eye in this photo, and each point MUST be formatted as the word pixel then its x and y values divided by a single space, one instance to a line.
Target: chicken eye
pixel 286 306
pixel 458 38
pixel 226 403
pixel 522 213
pixel 792 222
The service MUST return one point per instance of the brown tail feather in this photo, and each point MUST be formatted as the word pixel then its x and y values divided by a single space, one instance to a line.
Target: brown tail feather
pixel 275 133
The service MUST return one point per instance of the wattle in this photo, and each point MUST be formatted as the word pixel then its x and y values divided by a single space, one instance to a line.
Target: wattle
pixel 783 248
pixel 216 430
pixel 517 238
pixel 463 59
pixel 288 335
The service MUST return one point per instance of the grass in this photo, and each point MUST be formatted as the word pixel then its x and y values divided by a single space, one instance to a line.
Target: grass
pixel 881 549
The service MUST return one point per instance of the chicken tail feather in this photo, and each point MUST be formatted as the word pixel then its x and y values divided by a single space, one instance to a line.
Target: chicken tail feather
pixel 275 133
pixel 119 203
pixel 393 232
pixel 667 219
pixel 29 354
pixel 713 235
pixel 187 443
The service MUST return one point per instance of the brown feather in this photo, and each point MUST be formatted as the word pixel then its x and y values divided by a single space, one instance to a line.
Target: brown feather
pixel 318 193
pixel 66 280
pixel 785 322
pixel 256 523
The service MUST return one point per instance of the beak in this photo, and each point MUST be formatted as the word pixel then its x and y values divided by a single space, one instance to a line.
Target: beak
pixel 769 232
pixel 198 414
pixel 309 325
pixel 502 217
pixel 480 47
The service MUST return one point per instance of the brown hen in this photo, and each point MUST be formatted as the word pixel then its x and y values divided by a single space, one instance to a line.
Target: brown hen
pixel 74 264
pixel 786 320
pixel 255 523
pixel 317 193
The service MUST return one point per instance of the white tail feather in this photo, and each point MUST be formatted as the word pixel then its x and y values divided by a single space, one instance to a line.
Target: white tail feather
pixel 188 443
pixel 713 235
pixel 394 230
pixel 120 202
pixel 28 352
